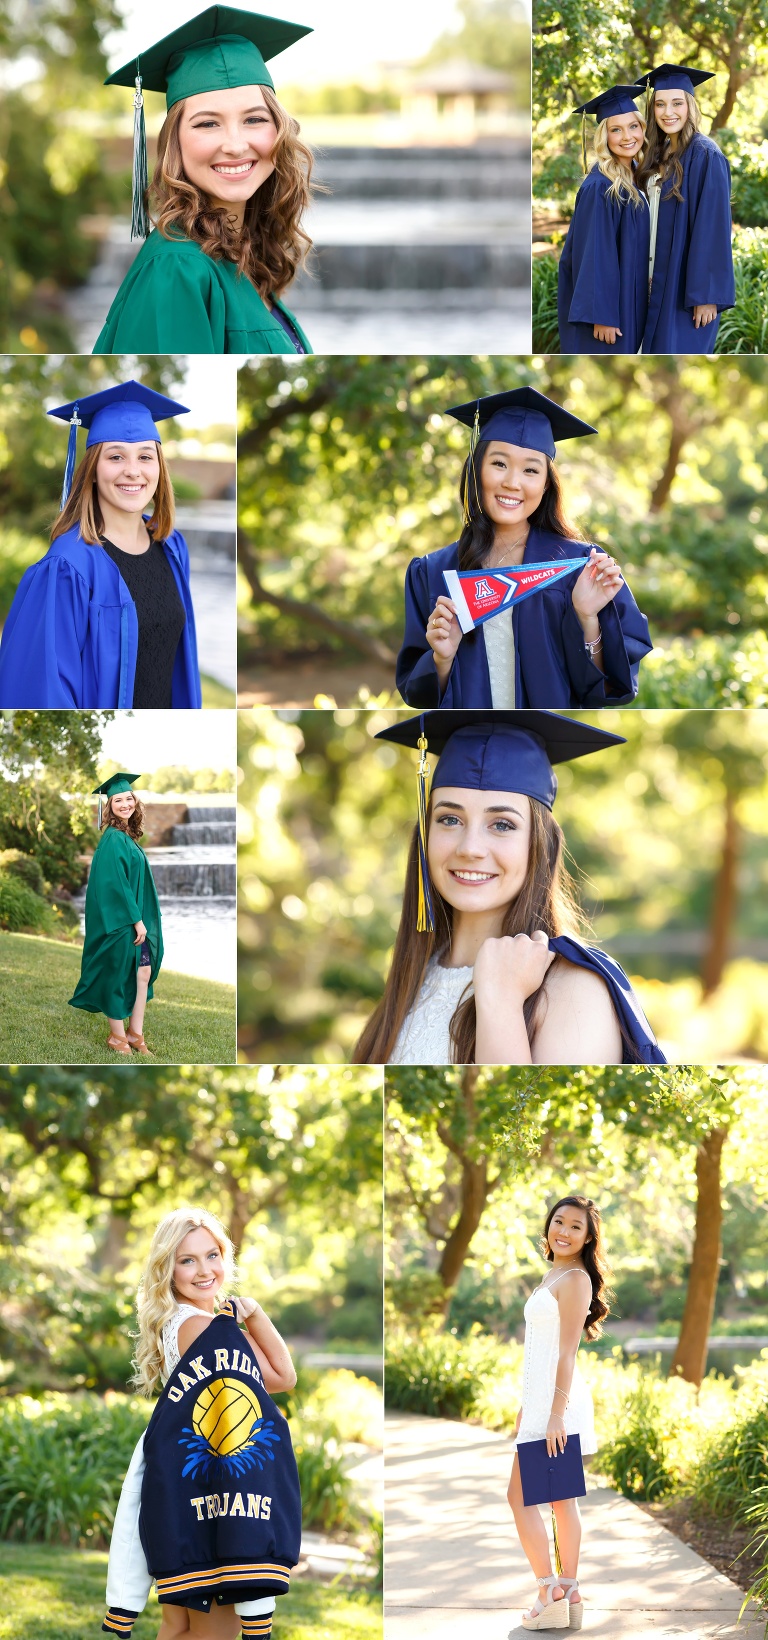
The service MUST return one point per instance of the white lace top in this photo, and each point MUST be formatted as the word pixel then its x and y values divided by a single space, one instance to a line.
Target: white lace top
pixel 424 1037
pixel 542 1348
pixel 171 1351
pixel 500 654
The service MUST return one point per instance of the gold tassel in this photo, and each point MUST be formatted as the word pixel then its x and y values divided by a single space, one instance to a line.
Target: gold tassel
pixel 425 921
pixel 558 1561
pixel 584 142
pixel 471 476
pixel 648 101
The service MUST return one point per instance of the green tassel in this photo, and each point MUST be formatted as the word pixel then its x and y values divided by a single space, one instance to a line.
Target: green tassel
pixel 140 223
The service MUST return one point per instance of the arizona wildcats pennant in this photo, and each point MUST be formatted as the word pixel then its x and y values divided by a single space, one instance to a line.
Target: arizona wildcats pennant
pixel 478 594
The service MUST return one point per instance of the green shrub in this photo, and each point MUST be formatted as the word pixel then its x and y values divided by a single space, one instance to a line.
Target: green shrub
pixel 744 327
pixel 22 909
pixel 62 1463
pixel 559 176
pixel 710 671
pixel 749 179
pixel 327 1499
pixel 735 1461
pixel 545 331
pixel 639 1459
pixel 439 1374
pixel 56 848
pixel 24 866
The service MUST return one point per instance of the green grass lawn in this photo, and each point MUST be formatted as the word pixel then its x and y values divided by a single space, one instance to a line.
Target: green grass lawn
pixel 189 1021
pixel 58 1594
pixel 215 694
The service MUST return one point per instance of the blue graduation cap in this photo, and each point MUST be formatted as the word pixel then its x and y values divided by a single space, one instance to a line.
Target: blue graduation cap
pixel 674 77
pixel 491 751
pixel 617 99
pixel 127 413
pixel 546 1479
pixel 521 416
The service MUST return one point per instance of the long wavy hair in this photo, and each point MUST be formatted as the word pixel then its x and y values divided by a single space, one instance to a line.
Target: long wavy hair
pixel 660 159
pixel 592 1256
pixel 476 539
pixel 82 510
pixel 622 178
pixel 272 245
pixel 156 1299
pixel 546 901
pixel 134 825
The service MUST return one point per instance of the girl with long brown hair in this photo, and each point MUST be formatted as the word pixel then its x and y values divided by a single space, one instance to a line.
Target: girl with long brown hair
pixel 105 619
pixel 688 181
pixel 578 638
pixel 230 187
pixel 571 1299
pixel 488 966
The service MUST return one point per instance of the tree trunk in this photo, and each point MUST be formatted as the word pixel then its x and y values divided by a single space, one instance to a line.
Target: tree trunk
pixel 690 1358
pixel 724 902
pixel 354 636
pixel 474 1192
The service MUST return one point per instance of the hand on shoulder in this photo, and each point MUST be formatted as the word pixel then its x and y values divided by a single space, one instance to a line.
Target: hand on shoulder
pixel 511 968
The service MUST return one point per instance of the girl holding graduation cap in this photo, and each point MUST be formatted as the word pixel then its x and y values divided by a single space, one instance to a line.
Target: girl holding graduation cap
pixel 105 619
pixel 487 968
pixel 123 946
pixel 578 639
pixel 602 285
pixel 689 189
pixel 230 186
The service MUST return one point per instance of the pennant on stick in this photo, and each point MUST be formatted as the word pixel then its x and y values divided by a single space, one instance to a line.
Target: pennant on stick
pixel 478 594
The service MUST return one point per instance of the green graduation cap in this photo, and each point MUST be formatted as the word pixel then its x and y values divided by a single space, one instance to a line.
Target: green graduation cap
pixel 220 48
pixel 112 787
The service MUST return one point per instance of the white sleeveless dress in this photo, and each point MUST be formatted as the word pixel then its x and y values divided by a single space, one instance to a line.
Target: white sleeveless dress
pixel 542 1348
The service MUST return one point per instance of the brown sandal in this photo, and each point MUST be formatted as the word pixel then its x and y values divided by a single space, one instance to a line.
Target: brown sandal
pixel 136 1042
pixel 118 1044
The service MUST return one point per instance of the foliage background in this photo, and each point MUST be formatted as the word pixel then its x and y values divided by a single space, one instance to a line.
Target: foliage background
pixel 349 467
pixel 668 835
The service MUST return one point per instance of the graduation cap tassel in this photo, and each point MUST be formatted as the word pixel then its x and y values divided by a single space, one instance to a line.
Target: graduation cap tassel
pixel 558 1561
pixel 584 142
pixel 471 475
pixel 69 465
pixel 139 218
pixel 425 923
pixel 101 803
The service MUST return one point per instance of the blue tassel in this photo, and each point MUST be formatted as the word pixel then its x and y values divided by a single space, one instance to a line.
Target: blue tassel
pixel 69 465
pixel 140 224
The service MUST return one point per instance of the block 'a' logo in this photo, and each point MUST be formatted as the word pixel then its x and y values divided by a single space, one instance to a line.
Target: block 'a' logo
pixel 483 590
pixel 229 1433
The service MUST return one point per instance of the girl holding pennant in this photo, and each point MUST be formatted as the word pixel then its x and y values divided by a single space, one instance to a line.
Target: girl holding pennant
pixel 602 285
pixel 563 628
pixel 488 968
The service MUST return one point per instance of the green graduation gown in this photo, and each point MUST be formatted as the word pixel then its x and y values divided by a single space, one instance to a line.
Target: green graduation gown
pixel 120 892
pixel 175 299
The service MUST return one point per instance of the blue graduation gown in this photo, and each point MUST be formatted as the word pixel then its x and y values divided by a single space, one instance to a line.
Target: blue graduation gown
pixel 640 1045
pixel 72 633
pixel 603 273
pixel 552 667
pixel 693 264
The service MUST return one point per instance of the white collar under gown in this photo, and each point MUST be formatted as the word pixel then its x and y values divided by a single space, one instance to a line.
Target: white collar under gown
pixel 542 1348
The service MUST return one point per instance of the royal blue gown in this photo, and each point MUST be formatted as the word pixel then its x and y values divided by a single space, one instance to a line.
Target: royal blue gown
pixel 693 264
pixel 603 273
pixel 552 667
pixel 72 633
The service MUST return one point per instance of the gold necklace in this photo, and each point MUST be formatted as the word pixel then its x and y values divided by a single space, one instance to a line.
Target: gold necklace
pixel 514 546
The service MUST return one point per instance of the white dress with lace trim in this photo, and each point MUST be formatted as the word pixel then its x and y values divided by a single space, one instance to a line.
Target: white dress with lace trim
pixel 542 1349
pixel 424 1037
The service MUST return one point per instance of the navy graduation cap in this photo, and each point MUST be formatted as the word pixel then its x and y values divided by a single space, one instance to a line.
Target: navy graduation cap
pixel 127 412
pixel 545 1478
pixel 521 416
pixel 617 99
pixel 674 77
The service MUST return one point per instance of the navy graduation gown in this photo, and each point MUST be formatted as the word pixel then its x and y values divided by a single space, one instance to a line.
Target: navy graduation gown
pixel 640 1045
pixel 552 667
pixel 72 633
pixel 693 263
pixel 603 273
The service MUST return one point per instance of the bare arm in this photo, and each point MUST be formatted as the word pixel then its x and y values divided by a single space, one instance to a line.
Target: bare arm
pixel 271 1352
pixel 578 1024
pixel 573 1298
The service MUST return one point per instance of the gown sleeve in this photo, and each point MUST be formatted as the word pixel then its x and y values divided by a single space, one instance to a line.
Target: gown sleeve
pixel 626 640
pixel 416 673
pixel 709 269
pixel 595 259
pixel 173 304
pixel 41 655
pixel 109 880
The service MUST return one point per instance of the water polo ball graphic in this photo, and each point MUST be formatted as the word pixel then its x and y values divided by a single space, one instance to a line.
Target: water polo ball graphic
pixel 224 1415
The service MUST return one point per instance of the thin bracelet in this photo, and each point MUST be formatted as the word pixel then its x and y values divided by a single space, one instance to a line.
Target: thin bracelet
pixel 559 1391
pixel 596 644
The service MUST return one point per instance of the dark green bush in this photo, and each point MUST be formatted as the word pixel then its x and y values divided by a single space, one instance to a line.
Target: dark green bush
pixel 54 846
pixel 560 176
pixel 21 910
pixel 546 335
pixel 749 179
pixel 635 1292
pixel 744 327
pixel 24 866
pixel 439 1374
pixel 62 1463
pixel 706 672
pixel 734 1469
pixel 638 1459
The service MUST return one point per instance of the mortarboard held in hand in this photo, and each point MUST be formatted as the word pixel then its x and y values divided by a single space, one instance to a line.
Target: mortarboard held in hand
pixel 546 1479
pixel 125 414
pixel 220 48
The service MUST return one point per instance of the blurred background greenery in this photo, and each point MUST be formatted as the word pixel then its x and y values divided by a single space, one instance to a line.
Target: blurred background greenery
pixel 347 468
pixel 675 1161
pixel 669 837
pixel 584 45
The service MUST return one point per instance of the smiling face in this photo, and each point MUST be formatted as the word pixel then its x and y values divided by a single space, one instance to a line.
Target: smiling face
pixel 198 1269
pixel 671 111
pixel 478 848
pixel 624 135
pixel 512 482
pixel 568 1232
pixel 226 140
pixel 122 805
pixel 127 476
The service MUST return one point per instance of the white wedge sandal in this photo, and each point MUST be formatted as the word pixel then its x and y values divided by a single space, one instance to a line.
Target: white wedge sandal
pixel 551 1614
pixel 575 1607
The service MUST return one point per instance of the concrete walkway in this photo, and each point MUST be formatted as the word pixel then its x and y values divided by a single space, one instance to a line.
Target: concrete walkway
pixel 455 1570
